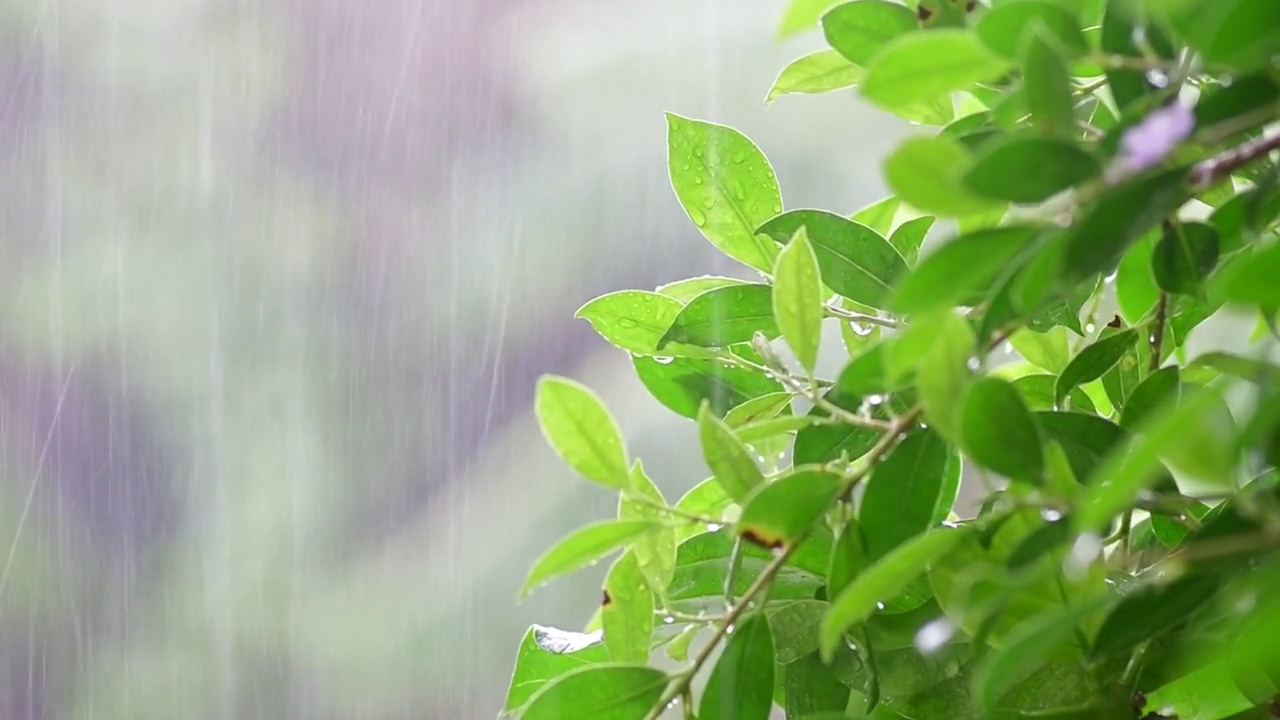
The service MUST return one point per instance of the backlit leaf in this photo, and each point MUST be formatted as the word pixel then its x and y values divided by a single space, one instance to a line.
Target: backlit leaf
pixel 581 431
pixel 627 613
pixel 855 260
pixel 797 299
pixel 905 488
pixel 1025 169
pixel 921 66
pixel 728 459
pixel 818 72
pixel 724 316
pixel 600 692
pixel 782 512
pixel 926 173
pixel 741 684
pixel 582 547
pixel 857 30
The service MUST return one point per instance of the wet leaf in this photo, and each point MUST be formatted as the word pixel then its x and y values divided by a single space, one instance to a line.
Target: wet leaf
pixel 583 547
pixel 797 299
pixel 1025 169
pixel 582 432
pixel 783 512
pixel 741 684
pixel 728 459
pixel 857 30
pixel 961 271
pixel 635 321
pixel 795 629
pixel 918 67
pixel 600 692
pixel 1184 257
pixel 904 490
pixel 998 432
pixel 910 235
pixel 656 551
pixel 547 653
pixel 855 261
pixel 627 617
pixel 1094 361
pixel 724 316
pixel 682 384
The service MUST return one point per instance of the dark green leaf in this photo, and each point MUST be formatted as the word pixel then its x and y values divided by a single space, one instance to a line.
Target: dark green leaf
pixel 910 235
pixel 1243 34
pixel 580 429
pixel 1118 32
pixel 545 654
pixel 858 29
pixel 855 261
pixel 783 512
pixel 883 580
pixel 998 431
pixel 1038 392
pixel 961 270
pixel 1158 389
pixel 1047 87
pixel 1026 169
pixel 823 443
pixel 741 684
pixel 797 299
pixel 926 173
pixel 1171 532
pixel 1085 439
pixel 904 490
pixel 795 629
pixel 683 383
pixel 1006 28
pixel 728 459
pixel 1184 257
pixel 1099 239
pixel 1095 360
pixel 726 186
pixel 1150 611
pixel 627 613
pixel 1241 97
pixel 918 67
pixel 600 692
pixel 582 547
pixel 818 72
pixel 812 690
pixel 724 316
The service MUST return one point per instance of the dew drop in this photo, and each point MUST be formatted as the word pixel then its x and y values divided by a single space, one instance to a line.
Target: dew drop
pixel 1158 78
pixel 875 399
pixel 1112 277
pixel 1245 604
pixel 738 155
pixel 709 201
pixel 934 635
pixel 1089 327
pixel 738 190
pixel 668 620
pixel 973 363
pixel 663 360
pixel 859 329
pixel 713 527
pixel 879 606
pixel 699 218
pixel 729 630
pixel 1008 347
pixel 627 322
pixel 1050 515
pixel 697 151
pixel 777 208
pixel 697 179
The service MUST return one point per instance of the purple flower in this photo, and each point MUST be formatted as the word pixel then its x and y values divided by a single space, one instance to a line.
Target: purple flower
pixel 1148 143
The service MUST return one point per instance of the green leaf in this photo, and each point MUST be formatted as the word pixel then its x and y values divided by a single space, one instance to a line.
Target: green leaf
pixel 962 270
pixel 728 459
pixel 1152 394
pixel 1119 28
pixel 683 384
pixel 635 321
pixel 1255 282
pixel 600 692
pixel 741 684
pixel 760 430
pixel 926 173
pixel 1038 392
pixel 1047 87
pixel 998 431
pixel 1007 28
pixel 1024 169
pixel 656 551
pixel 1096 242
pixel 857 30
pixel 918 67
pixel 1085 440
pixel 580 429
pixel 582 547
pixel 818 72
pixel 689 288
pixel 1152 610
pixel 909 236
pixel 1095 360
pixel 626 616
pixel 1136 291
pixel 811 689
pixel 726 186
pixel 1048 350
pixel 782 512
pixel 703 562
pixel 879 216
pixel 547 653
pixel 882 581
pixel 1184 257
pixel 1242 34
pixel 855 260
pixel 765 407
pixel 903 492
pixel 1124 474
pixel 795 629
pixel 943 374
pixel 678 648
pixel 724 316
pixel 819 444
pixel 797 299
pixel 802 15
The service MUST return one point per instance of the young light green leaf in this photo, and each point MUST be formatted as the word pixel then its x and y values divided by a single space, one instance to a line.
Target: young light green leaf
pixel 1038 392
pixel 1136 290
pixel 582 547
pixel 765 407
pixel 764 429
pixel 998 431
pixel 601 692
pixel 783 512
pixel 802 15
pixel 943 374
pixel 1254 282
pixel 690 288
pixel 1007 28
pixel 1184 257
pixel 1094 361
pixel 626 615
pixel 962 270
pixel 926 173
pixel 724 316
pixel 683 384
pixel 855 260
pixel 910 235
pixel 728 459
pixel 656 551
pixel 882 581
pixel 797 299
pixel 580 429
pixel 815 73
pixel 726 186
pixel 678 648
pixel 1024 169
pixel 904 489
pixel 1048 350
pixel 741 684
pixel 545 654
pixel 635 321
pixel 918 67
pixel 879 216
pixel 1047 87
pixel 858 29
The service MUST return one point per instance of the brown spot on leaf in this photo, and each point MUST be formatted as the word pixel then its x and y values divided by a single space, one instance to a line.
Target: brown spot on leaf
pixel 923 13
pixel 970 6
pixel 752 535
pixel 1116 322
pixel 604 601
pixel 1273 707
pixel 1139 702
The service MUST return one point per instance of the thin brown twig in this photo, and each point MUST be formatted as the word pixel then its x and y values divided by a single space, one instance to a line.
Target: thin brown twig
pixel 1220 166
pixel 1157 334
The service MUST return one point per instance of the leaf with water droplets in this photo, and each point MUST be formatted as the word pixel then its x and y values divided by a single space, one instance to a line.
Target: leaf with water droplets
pixel 854 259
pixel 797 299
pixel 726 185
pixel 741 684
pixel 547 653
pixel 635 321
pixel 682 384
pixel 655 551
pixel 728 459
pixel 582 547
pixel 783 512
pixel 600 692
pixel 626 615
pixel 690 288
pixel 1094 361
pixel 581 431
pixel 903 492
pixel 724 316
pixel 998 431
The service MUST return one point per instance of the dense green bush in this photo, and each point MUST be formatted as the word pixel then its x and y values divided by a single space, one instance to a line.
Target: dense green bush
pixel 1123 563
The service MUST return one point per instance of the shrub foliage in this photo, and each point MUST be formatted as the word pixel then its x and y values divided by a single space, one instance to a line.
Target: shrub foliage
pixel 1103 182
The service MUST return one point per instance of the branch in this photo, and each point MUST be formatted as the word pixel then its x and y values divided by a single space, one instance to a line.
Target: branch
pixel 1218 167
pixel 1157 335
pixel 680 686
pixel 839 312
